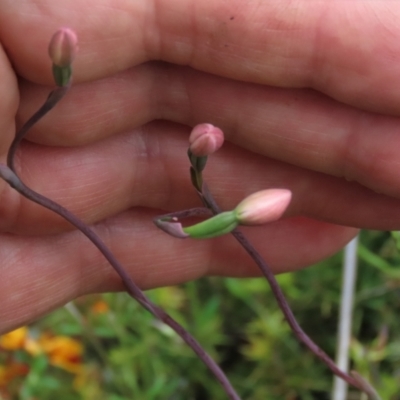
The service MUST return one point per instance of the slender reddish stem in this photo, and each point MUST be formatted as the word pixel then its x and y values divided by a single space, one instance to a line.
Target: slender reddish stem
pixel 9 174
pixel 280 297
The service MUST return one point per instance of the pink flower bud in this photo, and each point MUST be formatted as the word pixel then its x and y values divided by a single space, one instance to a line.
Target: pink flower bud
pixel 263 207
pixel 205 139
pixel 63 47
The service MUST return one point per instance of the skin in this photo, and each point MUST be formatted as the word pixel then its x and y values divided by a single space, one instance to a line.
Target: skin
pixel 307 93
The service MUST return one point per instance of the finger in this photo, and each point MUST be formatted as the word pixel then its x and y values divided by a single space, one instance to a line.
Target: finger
pixel 273 43
pixel 9 100
pixel 95 110
pixel 300 127
pixel 42 273
pixel 149 167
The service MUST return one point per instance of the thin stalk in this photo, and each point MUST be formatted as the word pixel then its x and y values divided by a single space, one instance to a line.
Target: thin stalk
pixel 14 181
pixel 280 297
pixel 53 98
pixel 9 174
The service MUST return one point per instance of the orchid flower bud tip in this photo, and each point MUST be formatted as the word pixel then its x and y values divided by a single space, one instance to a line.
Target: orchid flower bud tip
pixel 205 139
pixel 263 207
pixel 63 47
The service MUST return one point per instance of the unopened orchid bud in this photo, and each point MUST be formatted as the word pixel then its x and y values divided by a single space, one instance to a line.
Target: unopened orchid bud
pixel 263 207
pixel 63 46
pixel 259 208
pixel 205 139
pixel 62 50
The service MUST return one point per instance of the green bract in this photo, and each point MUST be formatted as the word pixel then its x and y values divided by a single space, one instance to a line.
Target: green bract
pixel 62 75
pixel 216 226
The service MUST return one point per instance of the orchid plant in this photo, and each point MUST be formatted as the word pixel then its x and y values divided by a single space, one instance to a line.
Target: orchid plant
pixel 259 208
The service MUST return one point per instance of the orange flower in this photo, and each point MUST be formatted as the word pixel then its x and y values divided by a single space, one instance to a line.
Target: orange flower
pixel 100 307
pixel 63 352
pixel 10 371
pixel 14 340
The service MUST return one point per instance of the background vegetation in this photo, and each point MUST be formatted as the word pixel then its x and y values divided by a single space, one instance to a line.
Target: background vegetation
pixel 107 347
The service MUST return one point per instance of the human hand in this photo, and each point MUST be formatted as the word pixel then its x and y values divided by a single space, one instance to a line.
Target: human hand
pixel 296 88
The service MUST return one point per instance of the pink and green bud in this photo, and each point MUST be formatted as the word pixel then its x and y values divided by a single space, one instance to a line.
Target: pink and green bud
pixel 205 139
pixel 62 50
pixel 263 207
pixel 63 47
pixel 259 208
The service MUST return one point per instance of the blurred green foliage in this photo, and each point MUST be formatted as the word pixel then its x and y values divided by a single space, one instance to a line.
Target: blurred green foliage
pixel 129 355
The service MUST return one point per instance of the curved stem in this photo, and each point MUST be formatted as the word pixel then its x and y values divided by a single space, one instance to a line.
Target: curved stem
pixel 14 181
pixel 280 297
pixel 191 212
pixel 9 175
pixel 53 98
